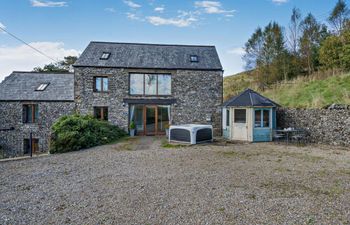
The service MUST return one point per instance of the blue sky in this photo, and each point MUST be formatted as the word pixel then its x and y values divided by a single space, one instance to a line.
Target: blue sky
pixel 65 27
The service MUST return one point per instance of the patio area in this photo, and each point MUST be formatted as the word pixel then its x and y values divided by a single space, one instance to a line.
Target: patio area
pixel 144 180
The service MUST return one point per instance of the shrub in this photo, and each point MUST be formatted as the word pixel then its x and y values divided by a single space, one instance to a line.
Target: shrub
pixel 75 132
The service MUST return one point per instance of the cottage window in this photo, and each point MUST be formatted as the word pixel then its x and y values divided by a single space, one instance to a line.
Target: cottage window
pixel 30 113
pixel 240 116
pixel 26 145
pixel 100 84
pixel 262 118
pixel 42 87
pixel 101 113
pixel 105 55
pixel 150 84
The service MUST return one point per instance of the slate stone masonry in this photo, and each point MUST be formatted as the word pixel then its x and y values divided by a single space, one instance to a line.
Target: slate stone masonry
pixel 11 116
pixel 198 94
pixel 324 126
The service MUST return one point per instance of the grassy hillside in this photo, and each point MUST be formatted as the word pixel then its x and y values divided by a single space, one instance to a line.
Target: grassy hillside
pixel 237 83
pixel 303 92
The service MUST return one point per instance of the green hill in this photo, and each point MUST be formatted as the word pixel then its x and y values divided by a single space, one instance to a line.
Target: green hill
pixel 303 92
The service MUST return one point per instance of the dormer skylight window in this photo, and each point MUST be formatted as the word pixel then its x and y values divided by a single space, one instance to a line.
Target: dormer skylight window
pixel 194 58
pixel 105 55
pixel 42 87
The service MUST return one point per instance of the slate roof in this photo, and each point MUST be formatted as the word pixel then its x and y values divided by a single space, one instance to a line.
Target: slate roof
pixel 20 86
pixel 250 98
pixel 149 56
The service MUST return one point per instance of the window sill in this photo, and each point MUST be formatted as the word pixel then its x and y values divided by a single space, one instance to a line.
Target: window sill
pixel 135 95
pixel 101 92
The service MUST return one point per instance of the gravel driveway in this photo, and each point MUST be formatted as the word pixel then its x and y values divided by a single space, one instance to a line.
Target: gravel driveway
pixel 140 182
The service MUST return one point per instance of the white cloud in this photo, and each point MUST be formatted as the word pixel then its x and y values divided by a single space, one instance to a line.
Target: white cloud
pixel 159 9
pixel 111 10
pixel 232 61
pixel 40 3
pixel 178 21
pixel 22 57
pixel 279 1
pixel 212 7
pixel 236 51
pixel 132 4
pixel 133 16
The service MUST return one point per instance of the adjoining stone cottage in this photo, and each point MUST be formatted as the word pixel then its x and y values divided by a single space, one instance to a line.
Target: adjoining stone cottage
pixel 152 85
pixel 32 102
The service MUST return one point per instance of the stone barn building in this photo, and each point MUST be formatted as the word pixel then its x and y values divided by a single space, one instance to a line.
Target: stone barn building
pixel 150 84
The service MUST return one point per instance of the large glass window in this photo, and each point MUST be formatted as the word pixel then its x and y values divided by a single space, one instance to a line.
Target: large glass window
pixel 100 84
pixel 150 84
pixel 164 85
pixel 136 84
pixel 163 118
pixel 240 115
pixel 30 113
pixel 262 118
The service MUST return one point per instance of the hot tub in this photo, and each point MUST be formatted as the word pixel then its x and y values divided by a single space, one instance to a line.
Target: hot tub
pixel 191 133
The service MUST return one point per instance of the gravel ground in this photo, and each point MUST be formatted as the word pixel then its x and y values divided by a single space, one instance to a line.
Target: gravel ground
pixel 140 182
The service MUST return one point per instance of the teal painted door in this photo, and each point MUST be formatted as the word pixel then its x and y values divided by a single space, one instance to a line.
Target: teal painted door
pixel 262 131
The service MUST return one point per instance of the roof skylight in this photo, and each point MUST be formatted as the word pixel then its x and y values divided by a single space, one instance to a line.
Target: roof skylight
pixel 105 55
pixel 194 58
pixel 42 87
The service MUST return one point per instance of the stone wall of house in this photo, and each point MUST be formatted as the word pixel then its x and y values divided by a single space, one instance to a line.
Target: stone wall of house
pixel 11 116
pixel 323 126
pixel 198 94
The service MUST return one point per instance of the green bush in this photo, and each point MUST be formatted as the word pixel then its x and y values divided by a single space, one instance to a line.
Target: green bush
pixel 75 132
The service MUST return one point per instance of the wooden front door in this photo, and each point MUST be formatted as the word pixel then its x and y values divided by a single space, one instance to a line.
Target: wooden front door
pixel 150 120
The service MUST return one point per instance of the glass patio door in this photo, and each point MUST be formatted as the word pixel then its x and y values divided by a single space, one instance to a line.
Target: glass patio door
pixel 150 120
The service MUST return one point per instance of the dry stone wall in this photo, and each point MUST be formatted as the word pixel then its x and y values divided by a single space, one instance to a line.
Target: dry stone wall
pixel 324 126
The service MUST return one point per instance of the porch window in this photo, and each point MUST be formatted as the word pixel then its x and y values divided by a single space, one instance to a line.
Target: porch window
pixel 100 84
pixel 227 117
pixel 262 118
pixel 26 145
pixel 30 113
pixel 240 116
pixel 101 113
pixel 150 84
pixel 266 118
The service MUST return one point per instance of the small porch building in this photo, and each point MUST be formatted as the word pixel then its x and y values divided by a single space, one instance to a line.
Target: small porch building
pixel 250 117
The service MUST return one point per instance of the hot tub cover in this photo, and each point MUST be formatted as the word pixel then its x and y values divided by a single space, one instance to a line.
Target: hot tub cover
pixel 191 133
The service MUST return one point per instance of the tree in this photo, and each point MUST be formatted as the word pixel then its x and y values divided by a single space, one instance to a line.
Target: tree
pixel 265 52
pixel 59 67
pixel 330 52
pixel 294 31
pixel 313 33
pixel 339 16
pixel 253 49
